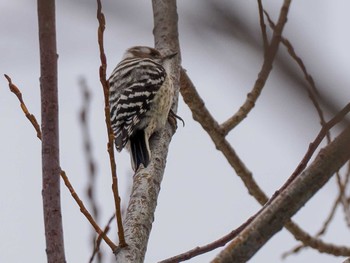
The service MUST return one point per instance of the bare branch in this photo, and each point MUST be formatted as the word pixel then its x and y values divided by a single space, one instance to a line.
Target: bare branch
pixel 209 247
pixel 86 212
pixel 327 222
pixel 110 145
pixel 344 199
pixel 322 231
pixel 90 161
pixel 312 89
pixel 72 191
pixel 313 146
pixel 313 95
pixel 100 237
pixel 264 73
pixel 202 115
pixel 288 202
pixel 316 243
pixel 263 27
pixel 29 116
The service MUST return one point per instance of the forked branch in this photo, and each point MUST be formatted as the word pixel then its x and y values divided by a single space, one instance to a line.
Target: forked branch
pixel 264 73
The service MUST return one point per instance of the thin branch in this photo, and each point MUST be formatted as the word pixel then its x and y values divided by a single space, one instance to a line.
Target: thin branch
pixel 264 73
pixel 100 237
pixel 312 148
pixel 30 117
pixel 299 247
pixel 91 164
pixel 344 200
pixel 72 191
pixel 263 27
pixel 274 215
pixel 312 89
pixel 202 115
pixel 86 212
pixel 341 196
pixel 313 95
pixel 327 222
pixel 316 243
pixel 314 145
pixel 105 86
pixel 330 217
pixel 209 247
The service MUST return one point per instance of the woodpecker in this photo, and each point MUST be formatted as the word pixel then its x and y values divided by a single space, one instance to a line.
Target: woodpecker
pixel 140 98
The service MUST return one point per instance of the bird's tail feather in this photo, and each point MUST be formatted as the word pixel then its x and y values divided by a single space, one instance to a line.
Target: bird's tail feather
pixel 139 150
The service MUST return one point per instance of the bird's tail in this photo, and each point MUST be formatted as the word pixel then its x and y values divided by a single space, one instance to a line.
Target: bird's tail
pixel 139 150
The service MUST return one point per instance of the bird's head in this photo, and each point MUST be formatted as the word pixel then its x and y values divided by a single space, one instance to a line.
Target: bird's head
pixel 146 52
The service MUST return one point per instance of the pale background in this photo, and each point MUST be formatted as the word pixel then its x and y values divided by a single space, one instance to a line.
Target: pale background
pixel 201 198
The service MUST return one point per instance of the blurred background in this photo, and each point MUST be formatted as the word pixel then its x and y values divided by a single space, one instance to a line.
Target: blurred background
pixel 201 198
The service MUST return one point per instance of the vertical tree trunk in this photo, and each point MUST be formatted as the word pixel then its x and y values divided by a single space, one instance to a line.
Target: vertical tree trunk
pixel 146 185
pixel 49 126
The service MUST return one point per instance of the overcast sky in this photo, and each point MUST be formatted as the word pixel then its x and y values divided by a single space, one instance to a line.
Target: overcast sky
pixel 201 197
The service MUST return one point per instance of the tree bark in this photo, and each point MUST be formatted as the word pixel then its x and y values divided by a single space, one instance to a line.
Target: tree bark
pixel 146 185
pixel 49 126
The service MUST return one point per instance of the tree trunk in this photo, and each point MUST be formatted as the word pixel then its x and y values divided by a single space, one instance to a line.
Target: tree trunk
pixel 49 126
pixel 146 185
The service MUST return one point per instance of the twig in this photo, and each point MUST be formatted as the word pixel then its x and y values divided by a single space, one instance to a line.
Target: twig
pixel 344 200
pixel 209 247
pixel 105 86
pixel 294 250
pixel 264 73
pixel 202 115
pixel 263 27
pixel 299 247
pixel 329 218
pixel 326 223
pixel 91 164
pixel 74 194
pixel 100 237
pixel 30 117
pixel 313 95
pixel 313 146
pixel 274 215
pixel 312 89
pixel 86 212
pixel 342 188
pixel 317 243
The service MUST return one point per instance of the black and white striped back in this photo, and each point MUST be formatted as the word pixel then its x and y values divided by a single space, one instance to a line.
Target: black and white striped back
pixel 133 86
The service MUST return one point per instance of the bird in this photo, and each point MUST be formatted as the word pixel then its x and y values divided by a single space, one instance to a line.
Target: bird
pixel 140 97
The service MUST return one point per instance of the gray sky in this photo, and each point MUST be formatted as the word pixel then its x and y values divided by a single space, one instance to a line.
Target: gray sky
pixel 201 198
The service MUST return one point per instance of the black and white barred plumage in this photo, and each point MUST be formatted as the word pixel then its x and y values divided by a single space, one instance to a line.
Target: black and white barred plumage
pixel 140 98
